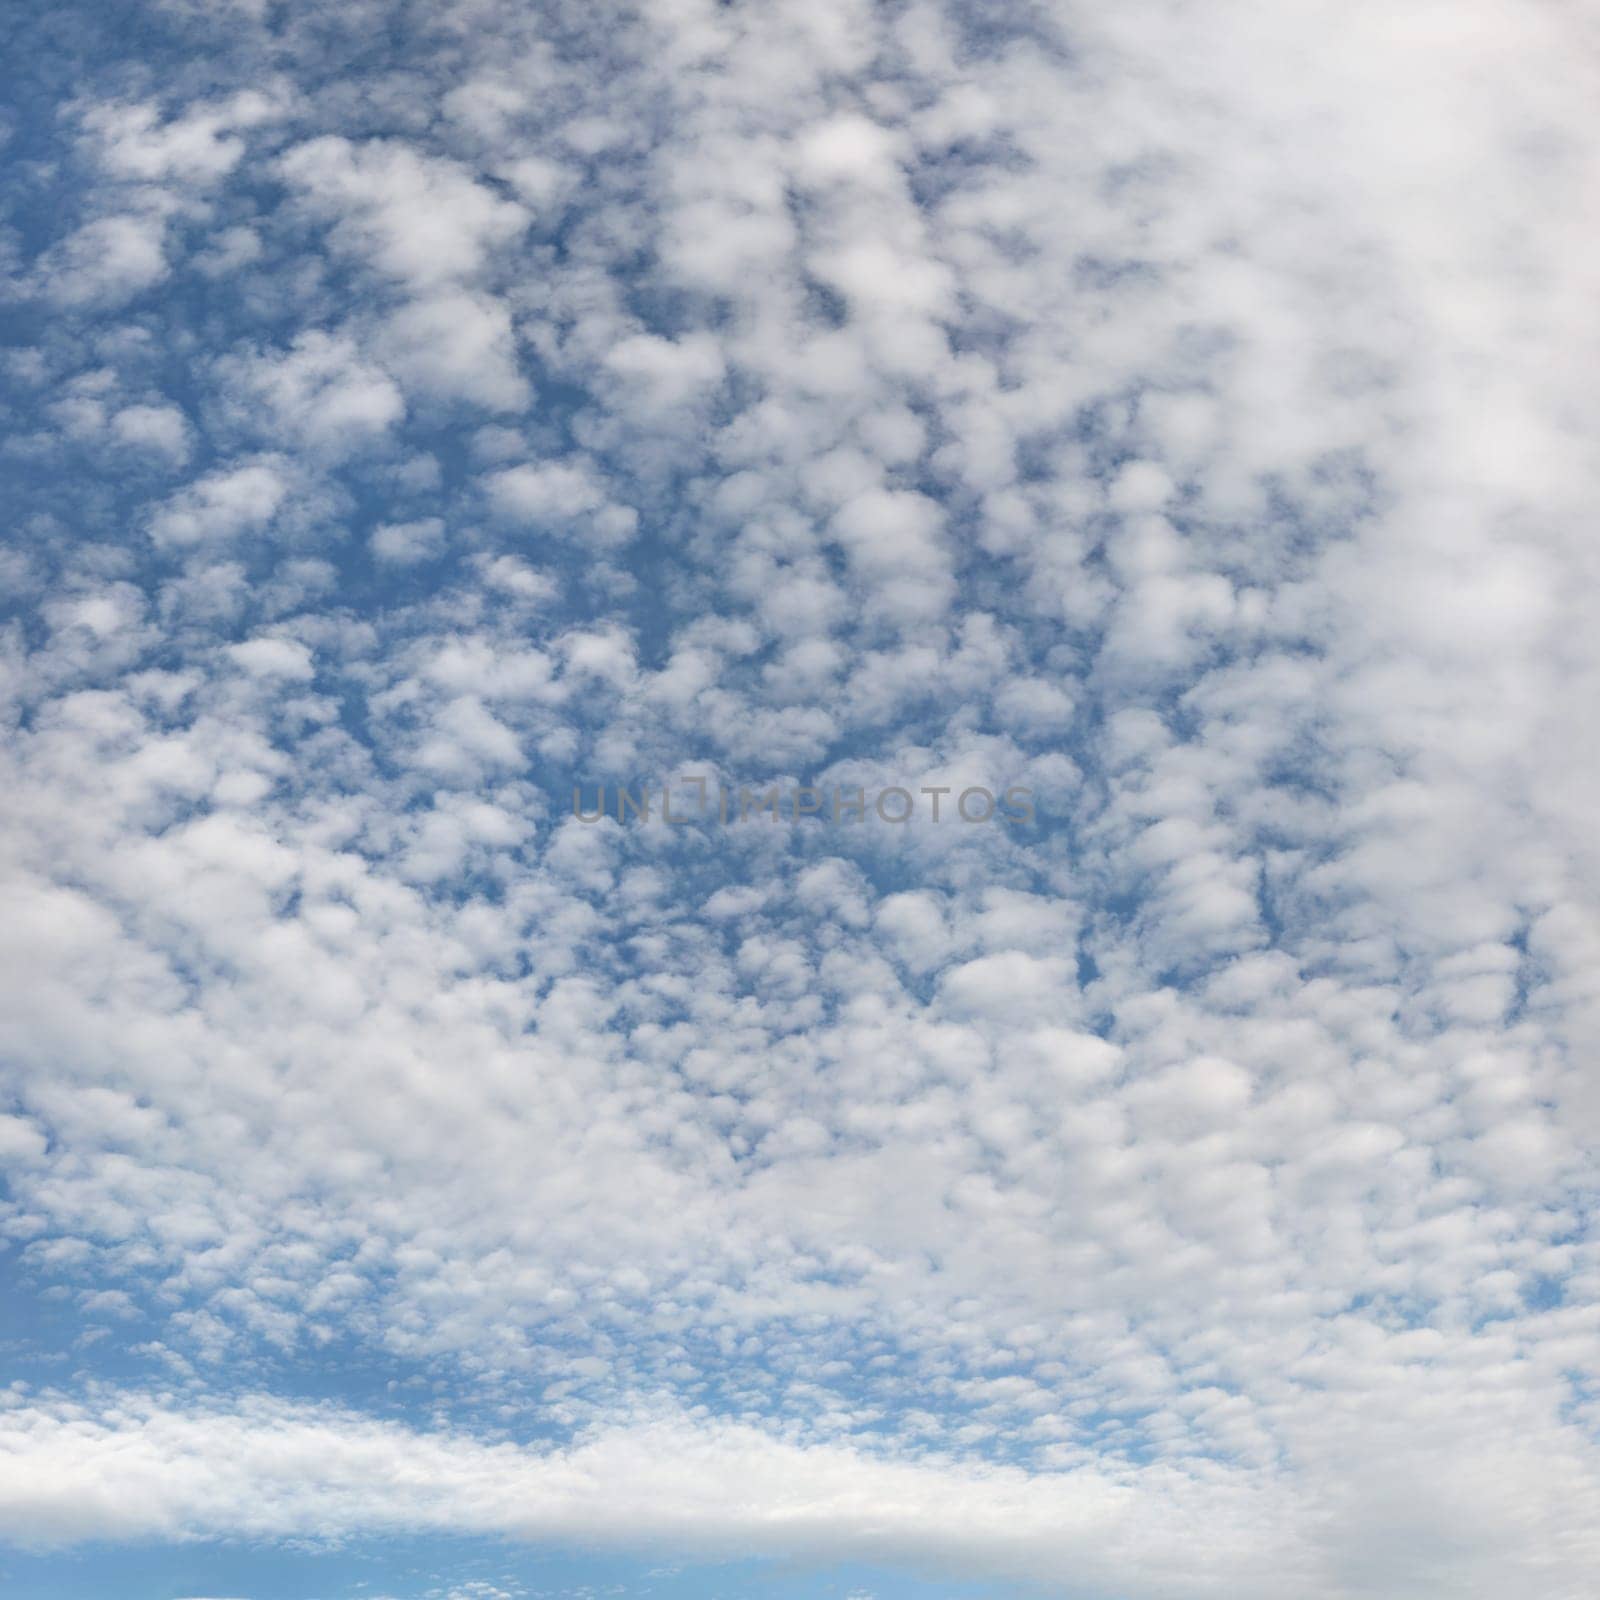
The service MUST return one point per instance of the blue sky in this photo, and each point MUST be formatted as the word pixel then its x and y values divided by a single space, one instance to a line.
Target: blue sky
pixel 456 1568
pixel 1179 417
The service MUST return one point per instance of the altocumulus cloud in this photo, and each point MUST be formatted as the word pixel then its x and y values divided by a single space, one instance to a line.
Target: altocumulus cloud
pixel 1181 412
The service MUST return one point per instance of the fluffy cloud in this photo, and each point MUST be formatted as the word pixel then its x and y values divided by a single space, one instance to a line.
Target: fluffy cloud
pixel 421 219
pixel 107 262
pixel 225 503
pixel 135 1469
pixel 1180 413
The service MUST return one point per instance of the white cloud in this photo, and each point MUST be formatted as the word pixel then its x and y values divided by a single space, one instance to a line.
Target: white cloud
pixel 1181 412
pixel 107 262
pixel 269 1470
pixel 198 148
pixel 405 543
pixel 458 345
pixel 563 497
pixel 419 218
pixel 320 393
pixel 273 658
pixel 136 1468
pixel 163 429
pixel 223 504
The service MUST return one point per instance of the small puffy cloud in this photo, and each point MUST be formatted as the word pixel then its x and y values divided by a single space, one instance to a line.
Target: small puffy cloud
pixel 729 903
pixel 457 345
pixel 21 1142
pixel 320 393
pixel 1140 486
pixel 199 147
pixel 106 263
pixel 222 505
pixel 465 735
pixel 666 373
pixel 563 497
pixel 606 654
pixel 894 542
pixel 509 576
pixel 848 148
pixel 163 430
pixel 543 183
pixel 1033 705
pixel 487 104
pixel 109 1303
pixel 403 544
pixel 888 531
pixel 229 251
pixel 1011 984
pixel 273 658
pixel 878 277
pixel 419 218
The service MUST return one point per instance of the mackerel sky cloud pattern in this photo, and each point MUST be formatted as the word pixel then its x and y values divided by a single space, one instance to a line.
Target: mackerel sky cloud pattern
pixel 1182 413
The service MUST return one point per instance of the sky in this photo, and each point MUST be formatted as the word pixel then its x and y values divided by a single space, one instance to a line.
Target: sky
pixel 1170 423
